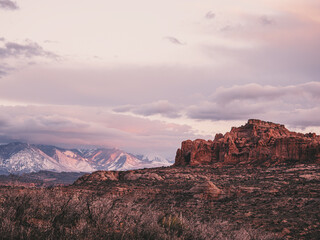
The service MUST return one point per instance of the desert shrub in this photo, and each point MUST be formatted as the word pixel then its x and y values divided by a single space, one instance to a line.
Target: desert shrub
pixel 60 214
pixel 172 224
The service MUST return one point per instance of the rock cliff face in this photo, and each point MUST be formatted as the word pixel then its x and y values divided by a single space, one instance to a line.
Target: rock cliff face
pixel 257 142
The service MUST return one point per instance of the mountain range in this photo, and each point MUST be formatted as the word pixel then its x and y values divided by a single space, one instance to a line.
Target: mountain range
pixel 18 158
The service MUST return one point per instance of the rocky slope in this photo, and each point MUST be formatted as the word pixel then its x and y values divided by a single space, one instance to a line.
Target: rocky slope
pixel 282 199
pixel 257 142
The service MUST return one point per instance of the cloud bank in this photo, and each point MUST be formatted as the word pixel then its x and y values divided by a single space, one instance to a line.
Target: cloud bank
pixel 296 105
pixel 14 54
pixel 8 5
pixel 162 107
pixel 74 126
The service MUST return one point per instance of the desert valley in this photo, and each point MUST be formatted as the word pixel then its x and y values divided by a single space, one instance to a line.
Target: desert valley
pixel 258 181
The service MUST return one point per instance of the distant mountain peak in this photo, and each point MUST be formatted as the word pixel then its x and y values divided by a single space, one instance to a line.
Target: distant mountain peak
pixel 17 157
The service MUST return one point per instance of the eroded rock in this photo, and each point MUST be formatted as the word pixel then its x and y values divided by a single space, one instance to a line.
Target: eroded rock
pixel 257 142
pixel 133 176
pixel 206 190
pixel 98 176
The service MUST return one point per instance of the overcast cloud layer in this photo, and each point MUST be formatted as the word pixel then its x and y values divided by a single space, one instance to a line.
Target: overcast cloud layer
pixel 120 74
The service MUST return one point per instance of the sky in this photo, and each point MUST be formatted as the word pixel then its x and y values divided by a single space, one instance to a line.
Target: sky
pixel 145 75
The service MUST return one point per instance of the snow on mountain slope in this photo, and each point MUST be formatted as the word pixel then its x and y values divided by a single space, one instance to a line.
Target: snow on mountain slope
pixel 156 159
pixel 29 159
pixel 124 162
pixel 72 161
pixel 68 159
pixel 25 158
pixel 112 159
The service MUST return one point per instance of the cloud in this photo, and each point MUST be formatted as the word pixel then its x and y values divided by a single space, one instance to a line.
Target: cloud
pixel 210 15
pixel 75 125
pixel 50 41
pixel 8 5
pixel 275 49
pixel 5 68
pixel 215 112
pixel 13 54
pixel 28 50
pixel 297 105
pixel 174 40
pixel 105 87
pixel 255 92
pixel 6 139
pixel 265 20
pixel 3 71
pixel 162 107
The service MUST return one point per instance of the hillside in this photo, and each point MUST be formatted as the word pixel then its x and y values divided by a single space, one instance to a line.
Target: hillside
pixel 225 202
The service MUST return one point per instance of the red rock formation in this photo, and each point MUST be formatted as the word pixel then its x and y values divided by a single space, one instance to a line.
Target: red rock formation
pixel 98 176
pixel 257 142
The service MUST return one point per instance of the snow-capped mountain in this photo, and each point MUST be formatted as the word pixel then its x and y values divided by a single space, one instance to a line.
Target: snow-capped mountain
pixel 110 159
pixel 18 157
pixel 154 160
pixel 69 159
pixel 24 158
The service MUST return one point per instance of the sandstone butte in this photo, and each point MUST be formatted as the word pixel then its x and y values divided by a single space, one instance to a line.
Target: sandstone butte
pixel 256 143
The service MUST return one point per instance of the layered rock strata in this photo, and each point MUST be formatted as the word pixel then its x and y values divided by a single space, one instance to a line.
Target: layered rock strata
pixel 257 142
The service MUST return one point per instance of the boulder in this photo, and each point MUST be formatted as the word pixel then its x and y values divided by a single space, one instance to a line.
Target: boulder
pixel 206 190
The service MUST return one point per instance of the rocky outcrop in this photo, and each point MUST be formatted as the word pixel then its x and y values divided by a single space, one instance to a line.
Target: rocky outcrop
pixel 133 176
pixel 256 142
pixel 206 190
pixel 98 176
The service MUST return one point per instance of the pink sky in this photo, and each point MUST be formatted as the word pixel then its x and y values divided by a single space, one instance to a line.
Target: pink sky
pixel 143 76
